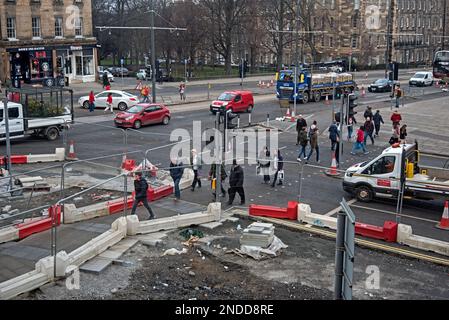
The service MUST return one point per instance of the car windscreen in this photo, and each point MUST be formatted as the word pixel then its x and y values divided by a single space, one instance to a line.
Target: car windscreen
pixel 127 94
pixel 136 109
pixel 226 97
pixel 381 81
pixel 286 76
pixel 419 76
pixel 442 56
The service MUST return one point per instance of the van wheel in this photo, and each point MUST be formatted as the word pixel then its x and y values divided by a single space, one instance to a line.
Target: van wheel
pixel 250 109
pixel 364 194
pixel 52 134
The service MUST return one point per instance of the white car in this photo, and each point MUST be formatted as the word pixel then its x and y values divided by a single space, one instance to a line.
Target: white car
pixel 110 76
pixel 120 100
pixel 141 75
pixel 422 78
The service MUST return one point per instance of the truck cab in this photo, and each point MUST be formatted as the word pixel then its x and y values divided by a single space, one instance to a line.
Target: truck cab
pixel 16 123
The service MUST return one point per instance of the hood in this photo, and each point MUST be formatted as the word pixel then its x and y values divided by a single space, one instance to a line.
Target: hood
pixel 125 114
pixel 356 167
pixel 220 103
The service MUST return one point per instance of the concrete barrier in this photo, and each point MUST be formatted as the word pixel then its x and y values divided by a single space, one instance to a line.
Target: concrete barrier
pixel 406 237
pixel 291 212
pixel 21 284
pixel 306 216
pixel 9 234
pixel 59 155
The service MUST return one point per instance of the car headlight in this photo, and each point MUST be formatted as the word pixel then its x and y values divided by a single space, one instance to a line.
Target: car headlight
pixel 225 104
pixel 129 118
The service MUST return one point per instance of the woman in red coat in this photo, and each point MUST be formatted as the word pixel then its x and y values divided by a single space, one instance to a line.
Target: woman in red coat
pixel 396 118
pixel 91 102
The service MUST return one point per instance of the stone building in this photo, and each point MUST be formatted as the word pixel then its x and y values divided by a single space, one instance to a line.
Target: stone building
pixel 44 41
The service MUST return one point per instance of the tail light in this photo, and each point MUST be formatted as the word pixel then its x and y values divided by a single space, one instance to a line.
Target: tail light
pixel 132 99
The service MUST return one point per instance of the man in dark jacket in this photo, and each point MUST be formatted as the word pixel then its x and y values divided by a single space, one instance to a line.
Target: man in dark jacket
pixel 368 113
pixel 236 179
pixel 369 130
pixel 333 135
pixel 300 123
pixel 377 121
pixel 140 188
pixel 176 172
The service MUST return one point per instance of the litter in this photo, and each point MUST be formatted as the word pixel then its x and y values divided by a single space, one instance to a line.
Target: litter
pixel 188 233
pixel 189 243
pixel 259 253
pixel 173 251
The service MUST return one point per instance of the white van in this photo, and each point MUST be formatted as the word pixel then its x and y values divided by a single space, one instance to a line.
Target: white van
pixel 422 78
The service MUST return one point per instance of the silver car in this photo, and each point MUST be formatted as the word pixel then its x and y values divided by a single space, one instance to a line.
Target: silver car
pixel 120 100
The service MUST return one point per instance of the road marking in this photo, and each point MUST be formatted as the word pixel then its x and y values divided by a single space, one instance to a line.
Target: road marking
pixel 394 213
pixel 336 210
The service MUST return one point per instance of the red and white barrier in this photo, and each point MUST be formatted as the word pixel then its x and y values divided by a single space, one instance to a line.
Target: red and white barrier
pixel 291 212
pixel 36 158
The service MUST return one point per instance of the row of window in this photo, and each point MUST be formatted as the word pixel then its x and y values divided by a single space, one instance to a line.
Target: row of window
pixel 36 27
pixel 421 22
pixel 422 5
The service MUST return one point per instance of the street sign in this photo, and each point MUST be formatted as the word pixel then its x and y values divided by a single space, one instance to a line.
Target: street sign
pixel 122 61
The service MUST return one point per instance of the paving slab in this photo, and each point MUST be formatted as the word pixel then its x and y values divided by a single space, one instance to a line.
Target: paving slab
pixel 96 265
pixel 211 225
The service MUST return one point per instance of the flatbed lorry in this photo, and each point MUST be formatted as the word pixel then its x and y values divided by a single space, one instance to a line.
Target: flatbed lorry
pixel 312 87
pixel 383 176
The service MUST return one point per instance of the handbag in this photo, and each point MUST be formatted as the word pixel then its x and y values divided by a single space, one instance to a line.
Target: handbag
pixel 281 174
pixel 258 169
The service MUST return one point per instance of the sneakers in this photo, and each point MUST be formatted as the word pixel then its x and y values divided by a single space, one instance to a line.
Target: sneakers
pixel 299 160
pixel 367 152
pixel 151 218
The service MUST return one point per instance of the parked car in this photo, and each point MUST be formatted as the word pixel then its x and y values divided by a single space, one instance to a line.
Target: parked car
pixel 236 101
pixel 120 100
pixel 141 74
pixel 143 114
pixel 422 78
pixel 117 71
pixel 110 76
pixel 381 85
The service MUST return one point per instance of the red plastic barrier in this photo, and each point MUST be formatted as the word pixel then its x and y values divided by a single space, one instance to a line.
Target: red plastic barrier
pixel 15 160
pixel 388 232
pixel 159 193
pixel 291 212
pixel 32 227
pixel 117 206
pixel 129 165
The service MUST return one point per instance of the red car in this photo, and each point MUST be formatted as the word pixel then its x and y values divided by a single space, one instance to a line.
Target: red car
pixel 143 114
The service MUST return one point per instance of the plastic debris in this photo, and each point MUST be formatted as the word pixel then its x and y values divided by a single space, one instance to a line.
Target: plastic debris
pixel 173 252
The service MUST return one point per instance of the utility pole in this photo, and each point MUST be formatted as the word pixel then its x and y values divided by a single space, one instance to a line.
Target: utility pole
pixel 7 137
pixel 295 111
pixel 444 24
pixel 153 53
pixel 389 35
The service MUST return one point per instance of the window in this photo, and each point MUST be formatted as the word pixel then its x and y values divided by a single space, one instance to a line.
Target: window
pixel 36 27
pixel 79 27
pixel 354 41
pixel 384 165
pixel 11 28
pixel 331 42
pixel 58 27
pixel 13 113
pixel 85 63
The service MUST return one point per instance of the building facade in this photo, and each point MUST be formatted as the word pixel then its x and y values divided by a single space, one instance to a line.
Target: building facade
pixel 47 41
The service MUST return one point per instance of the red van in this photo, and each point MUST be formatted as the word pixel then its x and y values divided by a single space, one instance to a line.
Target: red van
pixel 237 101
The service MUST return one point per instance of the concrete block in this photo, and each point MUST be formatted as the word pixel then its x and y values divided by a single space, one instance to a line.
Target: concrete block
pixel 214 208
pixel 24 283
pixel 406 237
pixel 404 233
pixel 9 234
pixel 59 154
pixel 73 214
pixel 211 225
pixel 187 179
pixel 157 225
pixel 303 210
pixel 41 158
pixel 132 225
pixel 319 220
pixel 120 225
pixel 45 265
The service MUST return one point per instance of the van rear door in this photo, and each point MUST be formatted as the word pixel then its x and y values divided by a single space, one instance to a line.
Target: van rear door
pixel 16 122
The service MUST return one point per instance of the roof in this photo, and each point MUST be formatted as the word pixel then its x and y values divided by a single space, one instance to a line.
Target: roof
pixel 398 150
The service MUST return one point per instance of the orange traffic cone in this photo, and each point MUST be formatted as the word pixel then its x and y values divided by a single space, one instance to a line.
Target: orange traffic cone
pixel 72 155
pixel 287 115
pixel 327 101
pixel 333 169
pixel 444 223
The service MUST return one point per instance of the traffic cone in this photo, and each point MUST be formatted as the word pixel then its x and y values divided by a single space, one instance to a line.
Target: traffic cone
pixel 327 101
pixel 260 83
pixel 332 172
pixel 72 155
pixel 287 115
pixel 444 223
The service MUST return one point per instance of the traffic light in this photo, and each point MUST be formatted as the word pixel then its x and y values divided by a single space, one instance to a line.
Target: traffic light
pixel 393 75
pixel 246 67
pixel 352 104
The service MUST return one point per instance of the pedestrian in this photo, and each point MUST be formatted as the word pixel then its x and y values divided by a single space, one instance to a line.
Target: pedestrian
pixel 264 164
pixel 300 124
pixel 105 80
pixel 278 162
pixel 236 179
pixel 398 94
pixel 213 177
pixel 196 166
pixel 337 145
pixel 378 120
pixel 333 135
pixel 146 94
pixel 140 188
pixel 109 105
pixel 91 102
pixel 359 143
pixel 176 173
pixel 182 91
pixel 368 113
pixel 394 138
pixel 350 125
pixel 403 134
pixel 396 118
pixel 313 136
pixel 369 130
pixel 303 141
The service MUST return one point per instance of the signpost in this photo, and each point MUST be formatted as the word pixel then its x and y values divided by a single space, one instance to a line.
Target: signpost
pixel 344 254
pixel 122 62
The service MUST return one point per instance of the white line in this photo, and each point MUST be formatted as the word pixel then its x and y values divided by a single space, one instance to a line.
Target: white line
pixel 394 213
pixel 336 210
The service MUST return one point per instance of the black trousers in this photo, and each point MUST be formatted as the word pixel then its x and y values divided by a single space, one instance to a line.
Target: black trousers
pixel 196 180
pixel 145 204
pixel 233 191
pixel 377 127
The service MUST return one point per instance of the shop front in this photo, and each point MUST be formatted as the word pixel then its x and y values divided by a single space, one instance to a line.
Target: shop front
pixel 53 65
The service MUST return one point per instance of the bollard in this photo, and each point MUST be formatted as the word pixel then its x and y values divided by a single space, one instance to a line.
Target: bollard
pixel 238 122
pixel 249 119
pixel 268 119
pixel 208 91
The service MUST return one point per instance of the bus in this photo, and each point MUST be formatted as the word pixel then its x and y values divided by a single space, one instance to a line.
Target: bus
pixel 441 65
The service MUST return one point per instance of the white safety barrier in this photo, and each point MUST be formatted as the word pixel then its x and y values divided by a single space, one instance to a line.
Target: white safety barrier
pixel 120 228
pixel 59 155
pixel 73 214
pixel 306 216
pixel 9 234
pixel 406 236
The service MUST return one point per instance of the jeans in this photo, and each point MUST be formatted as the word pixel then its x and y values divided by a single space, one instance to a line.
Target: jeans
pixel 302 152
pixel 177 190
pixel 333 144
pixel 276 178
pixel 145 204
pixel 146 99
pixel 357 146
pixel 368 134
pixel 397 102
pixel 317 153
pixel 196 180
pixel 350 131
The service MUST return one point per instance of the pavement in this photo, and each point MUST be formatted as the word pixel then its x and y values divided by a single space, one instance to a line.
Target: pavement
pixel 426 116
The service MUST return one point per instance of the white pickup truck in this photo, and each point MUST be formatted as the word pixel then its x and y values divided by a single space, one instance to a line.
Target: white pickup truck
pixel 382 176
pixel 20 126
